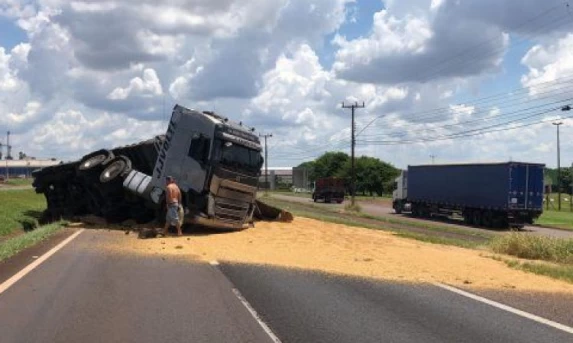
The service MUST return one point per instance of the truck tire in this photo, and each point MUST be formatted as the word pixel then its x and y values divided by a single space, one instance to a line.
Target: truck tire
pixel 119 167
pixel 95 159
pixel 397 207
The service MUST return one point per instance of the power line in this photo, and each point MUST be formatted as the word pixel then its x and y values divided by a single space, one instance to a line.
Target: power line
pixel 516 113
pixel 462 134
pixel 433 113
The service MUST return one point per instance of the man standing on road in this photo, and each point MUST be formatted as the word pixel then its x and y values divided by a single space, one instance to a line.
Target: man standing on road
pixel 173 202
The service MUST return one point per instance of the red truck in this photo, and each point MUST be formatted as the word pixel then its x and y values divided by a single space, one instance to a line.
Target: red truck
pixel 329 189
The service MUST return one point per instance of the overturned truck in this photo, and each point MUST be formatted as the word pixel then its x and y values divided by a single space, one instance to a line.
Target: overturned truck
pixel 216 163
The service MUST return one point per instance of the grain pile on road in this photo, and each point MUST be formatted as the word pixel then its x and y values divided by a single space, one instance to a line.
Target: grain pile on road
pixel 315 245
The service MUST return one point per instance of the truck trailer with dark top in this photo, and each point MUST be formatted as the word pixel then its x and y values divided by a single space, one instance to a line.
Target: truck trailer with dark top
pixel 497 195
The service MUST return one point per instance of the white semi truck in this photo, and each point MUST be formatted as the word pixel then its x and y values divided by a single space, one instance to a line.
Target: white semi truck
pixel 215 161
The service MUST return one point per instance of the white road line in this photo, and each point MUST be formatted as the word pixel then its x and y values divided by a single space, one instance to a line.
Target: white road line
pixel 249 308
pixel 8 283
pixel 508 308
pixel 255 315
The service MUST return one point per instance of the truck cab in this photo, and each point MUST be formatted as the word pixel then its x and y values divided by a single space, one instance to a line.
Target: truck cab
pixel 216 164
pixel 400 193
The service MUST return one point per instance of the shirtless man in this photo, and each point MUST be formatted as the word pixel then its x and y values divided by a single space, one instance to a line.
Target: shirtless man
pixel 173 201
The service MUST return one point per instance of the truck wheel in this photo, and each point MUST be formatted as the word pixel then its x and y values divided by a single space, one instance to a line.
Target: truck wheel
pixel 398 208
pixel 95 159
pixel 119 167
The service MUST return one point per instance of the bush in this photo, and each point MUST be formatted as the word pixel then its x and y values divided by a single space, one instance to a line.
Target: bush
pixel 353 208
pixel 534 247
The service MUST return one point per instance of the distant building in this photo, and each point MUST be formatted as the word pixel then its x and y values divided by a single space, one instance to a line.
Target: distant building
pixel 23 168
pixel 279 177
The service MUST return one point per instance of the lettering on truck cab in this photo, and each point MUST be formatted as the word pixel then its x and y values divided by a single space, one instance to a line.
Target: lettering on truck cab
pixel 165 148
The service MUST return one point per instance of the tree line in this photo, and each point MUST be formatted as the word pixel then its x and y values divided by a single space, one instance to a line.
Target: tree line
pixel 373 176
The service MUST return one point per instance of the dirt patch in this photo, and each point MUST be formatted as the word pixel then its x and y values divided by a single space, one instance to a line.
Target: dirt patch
pixel 316 245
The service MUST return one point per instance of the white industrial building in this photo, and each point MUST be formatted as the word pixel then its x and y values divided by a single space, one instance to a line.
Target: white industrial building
pixel 23 168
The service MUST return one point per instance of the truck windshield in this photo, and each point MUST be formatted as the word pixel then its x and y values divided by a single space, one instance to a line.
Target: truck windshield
pixel 238 156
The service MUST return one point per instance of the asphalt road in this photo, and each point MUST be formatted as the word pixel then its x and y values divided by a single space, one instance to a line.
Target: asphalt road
pixel 314 307
pixel 84 293
pixel 382 210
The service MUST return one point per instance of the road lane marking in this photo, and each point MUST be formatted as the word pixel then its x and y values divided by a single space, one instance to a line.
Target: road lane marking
pixel 248 306
pixel 4 286
pixel 255 315
pixel 507 308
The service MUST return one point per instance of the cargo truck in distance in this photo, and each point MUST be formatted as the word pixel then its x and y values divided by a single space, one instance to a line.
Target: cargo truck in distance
pixel 496 195
pixel 329 189
pixel 216 163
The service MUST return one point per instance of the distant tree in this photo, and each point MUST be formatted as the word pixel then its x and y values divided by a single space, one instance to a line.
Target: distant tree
pixel 21 155
pixel 330 164
pixel 372 175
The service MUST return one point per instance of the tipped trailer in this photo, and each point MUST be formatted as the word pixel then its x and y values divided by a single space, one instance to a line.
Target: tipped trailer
pixel 216 164
pixel 496 195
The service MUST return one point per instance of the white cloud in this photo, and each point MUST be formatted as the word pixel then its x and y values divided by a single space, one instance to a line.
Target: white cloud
pixel 547 63
pixel 95 73
pixel 147 86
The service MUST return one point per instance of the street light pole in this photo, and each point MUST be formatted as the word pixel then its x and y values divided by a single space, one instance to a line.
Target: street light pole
pixel 558 167
pixel 266 159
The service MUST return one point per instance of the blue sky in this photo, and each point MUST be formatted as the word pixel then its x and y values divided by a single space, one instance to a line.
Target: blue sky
pixel 10 34
pixel 93 73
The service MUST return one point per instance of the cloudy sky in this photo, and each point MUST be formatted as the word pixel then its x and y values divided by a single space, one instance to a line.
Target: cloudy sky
pixel 463 80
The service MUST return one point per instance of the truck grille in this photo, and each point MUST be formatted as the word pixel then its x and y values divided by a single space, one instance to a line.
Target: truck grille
pixel 231 210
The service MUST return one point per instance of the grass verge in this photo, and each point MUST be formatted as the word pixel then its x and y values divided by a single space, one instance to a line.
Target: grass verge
pixel 318 213
pixel 19 182
pixel 554 271
pixel 388 220
pixel 14 245
pixel 560 220
pixel 19 207
pixel 534 247
pixel 353 208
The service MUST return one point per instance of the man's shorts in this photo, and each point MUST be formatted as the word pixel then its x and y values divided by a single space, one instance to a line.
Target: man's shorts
pixel 172 216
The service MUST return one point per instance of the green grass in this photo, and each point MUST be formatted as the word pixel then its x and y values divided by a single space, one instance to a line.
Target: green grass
pixel 14 245
pixel 18 207
pixel 353 208
pixel 309 211
pixel 561 220
pixel 389 220
pixel 19 182
pixel 555 271
pixel 534 247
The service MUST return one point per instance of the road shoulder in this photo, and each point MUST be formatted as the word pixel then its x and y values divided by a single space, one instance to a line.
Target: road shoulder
pixel 14 264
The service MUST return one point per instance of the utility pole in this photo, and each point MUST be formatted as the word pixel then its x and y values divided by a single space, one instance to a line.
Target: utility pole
pixel 558 167
pixel 571 189
pixel 353 187
pixel 433 157
pixel 266 158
